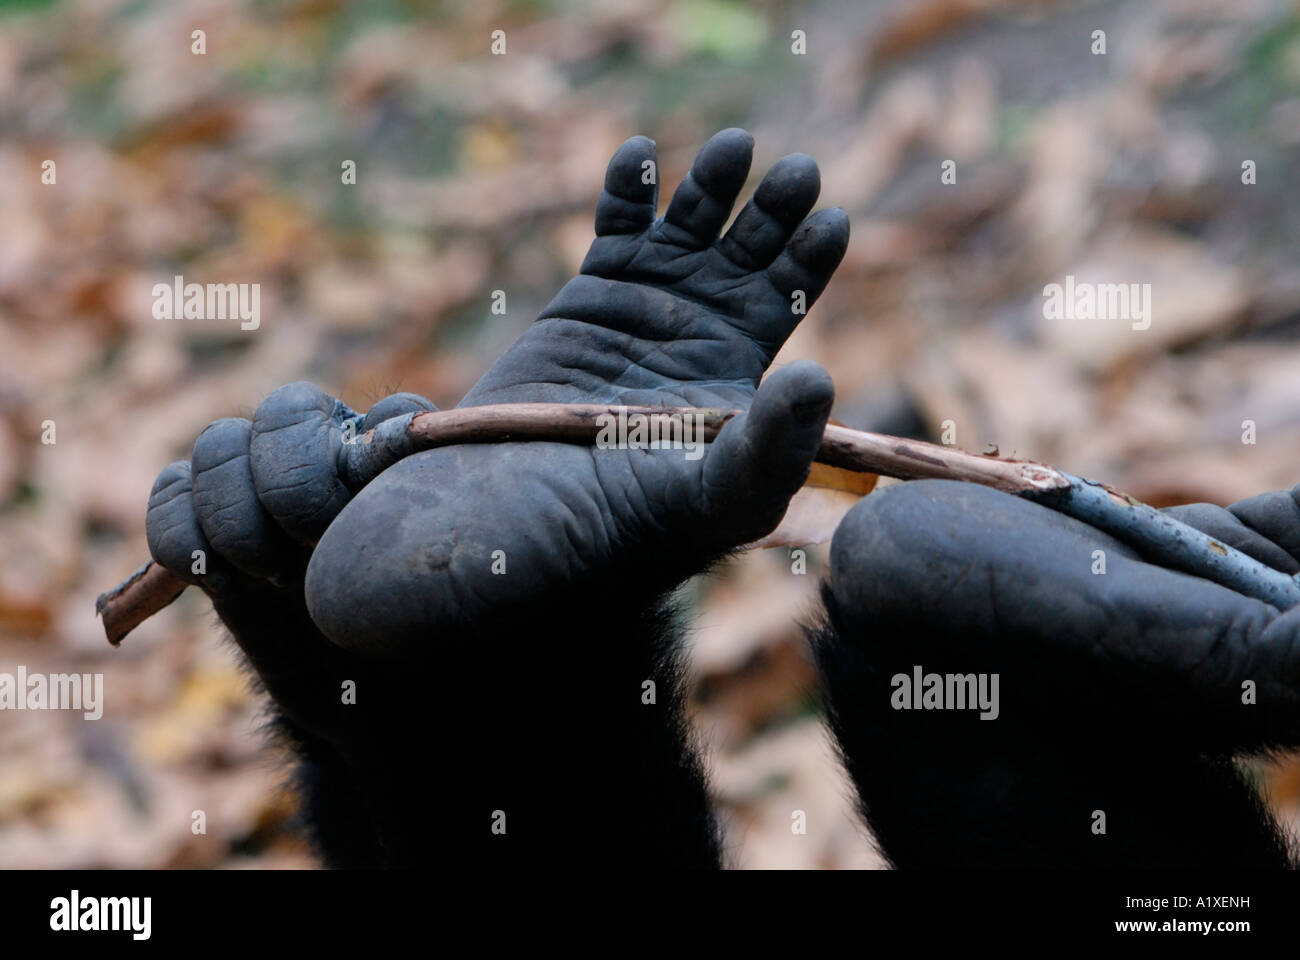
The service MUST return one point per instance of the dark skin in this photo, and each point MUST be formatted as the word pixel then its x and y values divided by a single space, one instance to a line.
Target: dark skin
pixel 663 313
pixel 1123 692
pixel 532 713
pixel 399 590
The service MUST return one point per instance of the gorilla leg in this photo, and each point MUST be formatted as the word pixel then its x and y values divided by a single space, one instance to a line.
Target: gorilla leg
pixel 1119 695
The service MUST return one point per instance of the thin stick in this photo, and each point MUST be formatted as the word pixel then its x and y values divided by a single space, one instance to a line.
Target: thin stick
pixel 151 588
pixel 136 599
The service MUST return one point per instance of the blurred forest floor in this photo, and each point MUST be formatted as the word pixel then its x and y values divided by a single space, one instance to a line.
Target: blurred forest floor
pixel 477 173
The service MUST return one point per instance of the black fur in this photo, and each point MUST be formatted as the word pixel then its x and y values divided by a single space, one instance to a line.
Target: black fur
pixel 529 716
pixel 947 789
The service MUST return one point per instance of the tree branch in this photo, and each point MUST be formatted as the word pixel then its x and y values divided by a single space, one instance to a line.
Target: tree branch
pixel 1158 536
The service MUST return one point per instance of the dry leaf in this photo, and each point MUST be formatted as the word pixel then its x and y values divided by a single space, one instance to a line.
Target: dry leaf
pixel 819 506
